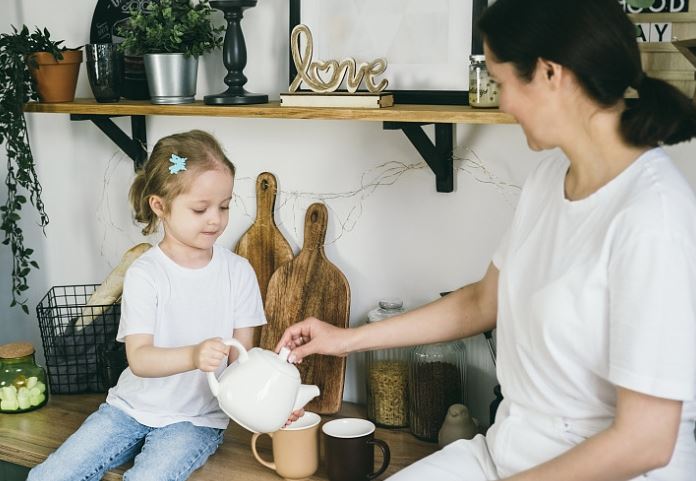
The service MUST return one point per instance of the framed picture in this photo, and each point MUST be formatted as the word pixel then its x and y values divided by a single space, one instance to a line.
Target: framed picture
pixel 426 44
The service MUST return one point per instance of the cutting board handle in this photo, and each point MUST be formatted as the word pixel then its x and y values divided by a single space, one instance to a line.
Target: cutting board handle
pixel 315 226
pixel 266 190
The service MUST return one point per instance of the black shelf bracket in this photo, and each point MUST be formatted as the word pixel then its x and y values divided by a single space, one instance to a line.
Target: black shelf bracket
pixel 438 156
pixel 134 147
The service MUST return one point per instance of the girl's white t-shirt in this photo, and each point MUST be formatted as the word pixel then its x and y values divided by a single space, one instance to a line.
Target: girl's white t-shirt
pixel 180 307
pixel 599 293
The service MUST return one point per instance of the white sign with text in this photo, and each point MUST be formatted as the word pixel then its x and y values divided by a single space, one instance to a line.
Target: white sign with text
pixel 658 6
pixel 653 32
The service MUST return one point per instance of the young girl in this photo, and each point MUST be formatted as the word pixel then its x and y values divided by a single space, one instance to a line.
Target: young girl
pixel 180 299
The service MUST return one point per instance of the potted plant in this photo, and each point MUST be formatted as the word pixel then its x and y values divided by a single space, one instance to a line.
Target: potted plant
pixel 19 66
pixel 171 35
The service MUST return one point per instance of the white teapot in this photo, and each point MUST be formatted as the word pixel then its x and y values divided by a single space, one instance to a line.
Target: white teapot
pixel 260 389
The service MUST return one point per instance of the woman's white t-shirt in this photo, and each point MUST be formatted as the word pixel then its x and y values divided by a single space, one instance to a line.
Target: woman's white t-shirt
pixel 594 294
pixel 180 307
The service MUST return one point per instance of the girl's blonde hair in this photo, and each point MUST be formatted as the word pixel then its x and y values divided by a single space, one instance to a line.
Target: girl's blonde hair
pixel 202 153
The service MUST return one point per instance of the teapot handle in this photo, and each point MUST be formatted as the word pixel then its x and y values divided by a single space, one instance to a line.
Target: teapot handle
pixel 243 357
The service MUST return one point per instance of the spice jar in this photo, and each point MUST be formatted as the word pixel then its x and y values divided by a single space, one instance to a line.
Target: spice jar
pixel 483 90
pixel 437 374
pixel 387 375
pixel 22 381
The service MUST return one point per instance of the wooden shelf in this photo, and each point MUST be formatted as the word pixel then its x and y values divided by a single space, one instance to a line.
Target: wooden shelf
pixel 450 114
pixel 680 17
pixel 408 118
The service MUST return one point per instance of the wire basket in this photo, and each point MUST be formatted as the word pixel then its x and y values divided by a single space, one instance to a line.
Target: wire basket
pixel 79 341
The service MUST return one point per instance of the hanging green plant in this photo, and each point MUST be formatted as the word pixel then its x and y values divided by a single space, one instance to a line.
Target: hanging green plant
pixel 17 88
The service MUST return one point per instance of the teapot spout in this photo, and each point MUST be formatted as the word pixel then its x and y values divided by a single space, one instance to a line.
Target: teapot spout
pixel 306 393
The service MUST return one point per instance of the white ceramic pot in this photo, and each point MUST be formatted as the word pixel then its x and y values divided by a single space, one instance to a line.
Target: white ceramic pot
pixel 260 389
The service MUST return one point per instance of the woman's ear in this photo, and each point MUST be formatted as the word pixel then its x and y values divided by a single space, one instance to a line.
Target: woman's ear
pixel 157 205
pixel 551 72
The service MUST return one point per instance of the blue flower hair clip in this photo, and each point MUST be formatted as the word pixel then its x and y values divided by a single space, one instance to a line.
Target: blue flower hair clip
pixel 179 164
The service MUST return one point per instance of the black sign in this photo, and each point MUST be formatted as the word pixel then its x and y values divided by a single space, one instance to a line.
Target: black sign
pixel 108 15
pixel 658 6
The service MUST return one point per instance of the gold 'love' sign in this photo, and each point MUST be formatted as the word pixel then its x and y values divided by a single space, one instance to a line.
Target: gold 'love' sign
pixel 327 76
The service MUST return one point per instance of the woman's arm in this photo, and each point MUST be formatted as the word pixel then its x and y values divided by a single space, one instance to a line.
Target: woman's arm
pixel 641 439
pixel 146 360
pixel 465 312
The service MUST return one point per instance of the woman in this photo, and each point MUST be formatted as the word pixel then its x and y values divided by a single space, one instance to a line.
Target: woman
pixel 593 287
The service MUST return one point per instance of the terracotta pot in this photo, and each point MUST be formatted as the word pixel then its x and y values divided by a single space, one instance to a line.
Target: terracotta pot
pixel 56 80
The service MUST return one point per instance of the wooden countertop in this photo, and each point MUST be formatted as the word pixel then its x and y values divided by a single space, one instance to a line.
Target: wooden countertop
pixel 27 439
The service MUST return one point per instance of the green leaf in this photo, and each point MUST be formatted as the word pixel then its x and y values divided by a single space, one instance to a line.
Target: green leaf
pixel 640 3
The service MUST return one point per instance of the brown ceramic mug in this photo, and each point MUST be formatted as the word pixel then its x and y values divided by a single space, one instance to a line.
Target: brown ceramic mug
pixel 295 448
pixel 349 450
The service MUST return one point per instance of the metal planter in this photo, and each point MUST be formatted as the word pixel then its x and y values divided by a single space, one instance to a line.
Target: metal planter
pixel 171 77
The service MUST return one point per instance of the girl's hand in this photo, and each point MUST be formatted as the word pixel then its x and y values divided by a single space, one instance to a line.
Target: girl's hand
pixel 313 336
pixel 294 416
pixel 208 355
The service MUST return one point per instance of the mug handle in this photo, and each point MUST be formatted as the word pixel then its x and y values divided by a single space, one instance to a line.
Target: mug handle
pixel 385 457
pixel 268 464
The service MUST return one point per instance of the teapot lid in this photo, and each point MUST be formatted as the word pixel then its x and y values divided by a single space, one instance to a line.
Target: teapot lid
pixel 280 362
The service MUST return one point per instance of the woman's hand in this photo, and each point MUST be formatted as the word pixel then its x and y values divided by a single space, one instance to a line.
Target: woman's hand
pixel 313 336
pixel 208 354
pixel 294 416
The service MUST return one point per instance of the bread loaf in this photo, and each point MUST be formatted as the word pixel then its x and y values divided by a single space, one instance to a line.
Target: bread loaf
pixel 110 290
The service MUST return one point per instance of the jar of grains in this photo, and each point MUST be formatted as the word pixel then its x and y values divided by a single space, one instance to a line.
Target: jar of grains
pixel 483 90
pixel 437 375
pixel 387 375
pixel 22 381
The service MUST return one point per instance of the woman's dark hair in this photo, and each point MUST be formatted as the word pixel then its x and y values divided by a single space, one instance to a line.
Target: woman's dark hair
pixel 597 42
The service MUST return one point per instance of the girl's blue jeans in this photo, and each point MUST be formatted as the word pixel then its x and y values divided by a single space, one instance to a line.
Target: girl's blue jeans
pixel 109 438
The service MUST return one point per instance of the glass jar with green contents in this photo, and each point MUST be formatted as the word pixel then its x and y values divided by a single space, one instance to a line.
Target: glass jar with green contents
pixel 22 381
pixel 387 375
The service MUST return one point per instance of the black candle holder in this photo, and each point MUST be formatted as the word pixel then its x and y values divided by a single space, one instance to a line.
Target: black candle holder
pixel 234 56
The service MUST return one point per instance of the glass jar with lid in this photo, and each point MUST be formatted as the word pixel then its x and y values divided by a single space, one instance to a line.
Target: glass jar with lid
pixel 437 375
pixel 22 381
pixel 387 374
pixel 483 90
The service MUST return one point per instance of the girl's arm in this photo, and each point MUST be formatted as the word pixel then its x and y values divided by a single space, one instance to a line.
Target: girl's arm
pixel 146 360
pixel 463 313
pixel 641 439
pixel 245 335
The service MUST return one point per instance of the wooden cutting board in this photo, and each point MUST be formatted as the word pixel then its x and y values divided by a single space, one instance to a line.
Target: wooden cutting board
pixel 310 285
pixel 263 244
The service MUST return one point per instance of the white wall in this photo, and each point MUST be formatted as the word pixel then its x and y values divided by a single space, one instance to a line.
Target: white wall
pixel 403 240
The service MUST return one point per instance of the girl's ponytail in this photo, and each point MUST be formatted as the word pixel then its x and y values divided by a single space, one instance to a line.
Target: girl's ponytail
pixel 141 204
pixel 661 115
